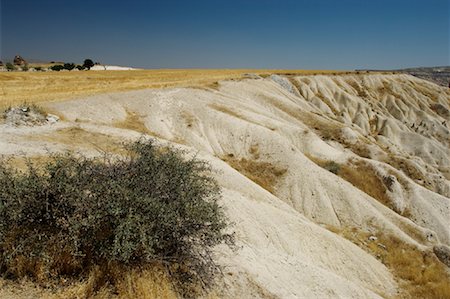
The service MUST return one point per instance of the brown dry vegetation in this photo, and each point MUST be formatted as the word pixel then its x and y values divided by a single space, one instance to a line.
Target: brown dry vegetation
pixel 20 162
pixel 362 176
pixel 146 283
pixel 34 87
pixel 264 174
pixel 77 137
pixel 133 122
pixel 328 129
pixel 226 110
pixel 412 171
pixel 419 273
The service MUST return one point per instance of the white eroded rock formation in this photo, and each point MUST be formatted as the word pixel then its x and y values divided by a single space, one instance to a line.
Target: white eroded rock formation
pixel 394 129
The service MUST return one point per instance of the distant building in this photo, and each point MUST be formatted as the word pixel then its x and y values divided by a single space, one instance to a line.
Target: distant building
pixel 18 60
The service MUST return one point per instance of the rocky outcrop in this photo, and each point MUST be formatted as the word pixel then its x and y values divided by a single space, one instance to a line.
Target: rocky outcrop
pixel 18 60
pixel 28 116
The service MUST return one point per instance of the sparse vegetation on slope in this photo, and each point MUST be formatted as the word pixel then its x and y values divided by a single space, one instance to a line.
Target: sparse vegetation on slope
pixel 262 173
pixel 420 273
pixel 152 207
pixel 264 131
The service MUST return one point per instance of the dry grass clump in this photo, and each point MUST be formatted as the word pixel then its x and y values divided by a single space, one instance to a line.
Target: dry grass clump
pixel 133 122
pixel 146 283
pixel 359 174
pixel 363 176
pixel 331 166
pixel 150 283
pixel 419 273
pixel 264 174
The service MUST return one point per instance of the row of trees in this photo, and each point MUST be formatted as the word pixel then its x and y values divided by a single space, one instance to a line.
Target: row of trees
pixel 87 64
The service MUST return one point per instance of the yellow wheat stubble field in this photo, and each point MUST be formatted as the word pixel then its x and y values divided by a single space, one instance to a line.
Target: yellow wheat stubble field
pixel 37 87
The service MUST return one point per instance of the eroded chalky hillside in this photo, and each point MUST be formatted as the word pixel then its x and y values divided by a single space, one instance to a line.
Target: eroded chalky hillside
pixel 338 186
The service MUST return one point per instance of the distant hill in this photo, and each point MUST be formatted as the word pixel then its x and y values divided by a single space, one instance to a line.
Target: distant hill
pixel 438 74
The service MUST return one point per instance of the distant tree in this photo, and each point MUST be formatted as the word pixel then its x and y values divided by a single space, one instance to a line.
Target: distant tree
pixel 38 68
pixel 80 67
pixel 57 67
pixel 69 66
pixel 10 67
pixel 88 63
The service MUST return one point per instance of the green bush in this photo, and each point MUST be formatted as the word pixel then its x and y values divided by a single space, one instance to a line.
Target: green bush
pixel 10 67
pixel 80 67
pixel 69 66
pixel 57 67
pixel 25 68
pixel 38 68
pixel 76 213
pixel 88 63
pixel 333 167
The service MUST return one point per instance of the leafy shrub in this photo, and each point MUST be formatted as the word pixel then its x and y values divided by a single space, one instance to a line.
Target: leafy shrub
pixel 332 166
pixel 10 67
pixel 38 68
pixel 88 63
pixel 25 68
pixel 57 67
pixel 69 66
pixel 80 67
pixel 76 213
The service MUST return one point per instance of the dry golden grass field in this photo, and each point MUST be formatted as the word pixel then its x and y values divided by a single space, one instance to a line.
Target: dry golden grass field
pixel 34 87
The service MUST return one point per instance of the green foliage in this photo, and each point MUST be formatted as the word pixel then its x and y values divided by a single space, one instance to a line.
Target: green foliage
pixel 332 166
pixel 80 67
pixel 38 68
pixel 88 63
pixel 152 206
pixel 25 68
pixel 69 66
pixel 10 67
pixel 57 67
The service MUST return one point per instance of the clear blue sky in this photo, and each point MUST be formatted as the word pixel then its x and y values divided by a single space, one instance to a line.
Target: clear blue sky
pixel 289 34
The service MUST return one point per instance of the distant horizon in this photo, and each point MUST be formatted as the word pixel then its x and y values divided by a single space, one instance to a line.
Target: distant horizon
pixel 40 61
pixel 214 34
